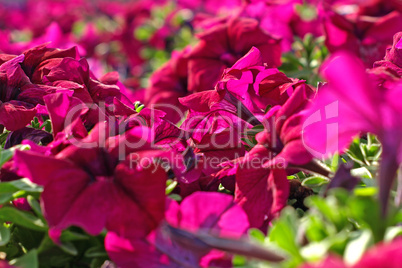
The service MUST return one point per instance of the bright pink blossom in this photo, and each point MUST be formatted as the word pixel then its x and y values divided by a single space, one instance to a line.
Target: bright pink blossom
pixel 366 37
pixel 255 85
pixel 222 45
pixel 336 117
pixel 393 57
pixel 262 187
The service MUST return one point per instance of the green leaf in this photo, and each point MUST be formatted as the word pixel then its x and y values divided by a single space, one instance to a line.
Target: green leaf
pixel 18 188
pixel 256 235
pixel 392 232
pixel 69 248
pixel 355 152
pixel 365 210
pixel 96 252
pixel 317 250
pixel 361 240
pixel 329 208
pixel 35 207
pixel 45 244
pixel 6 155
pixel 144 32
pixel 22 184
pixel 4 235
pixel 367 191
pixel 68 235
pixel 22 218
pixel 361 172
pixel 315 181
pixel 29 260
pixel 101 262
pixel 26 238
pixel 316 229
pixel 239 261
pixel 6 197
pixel 335 163
pixel 283 233
pixel 175 197
pixel 47 125
pixel 3 137
pixel 139 108
pixel 171 184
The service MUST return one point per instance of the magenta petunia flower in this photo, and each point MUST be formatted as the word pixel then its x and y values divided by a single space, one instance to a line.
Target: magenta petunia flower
pixel 88 186
pixel 62 69
pixel 394 54
pixel 4 264
pixel 201 212
pixel 222 45
pixel 393 57
pixel 37 15
pixel 40 71
pixel 167 84
pixel 366 37
pixel 17 95
pixel 282 134
pixel 256 85
pixel 262 187
pixel 52 35
pixel 211 7
pixel 274 17
pixel 335 117
pixel 215 123
pixel 65 112
pixel 262 192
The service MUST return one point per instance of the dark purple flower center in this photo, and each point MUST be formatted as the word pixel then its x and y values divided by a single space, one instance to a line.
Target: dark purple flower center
pixel 276 146
pixel 102 167
pixel 229 58
pixel 7 92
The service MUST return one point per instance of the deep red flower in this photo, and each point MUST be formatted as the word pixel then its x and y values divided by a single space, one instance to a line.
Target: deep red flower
pixel 255 85
pixel 222 45
pixel 366 37
pixel 18 96
pixel 392 61
pixel 167 84
pixel 89 187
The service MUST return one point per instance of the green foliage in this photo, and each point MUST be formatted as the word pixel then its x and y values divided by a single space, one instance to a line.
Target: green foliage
pixel 343 223
pixel 46 125
pixel 6 155
pixel 315 181
pixel 22 218
pixel 5 234
pixel 306 56
pixel 3 138
pixel 29 260
pixel 170 185
pixel 249 136
pixel 18 188
pixel 24 234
